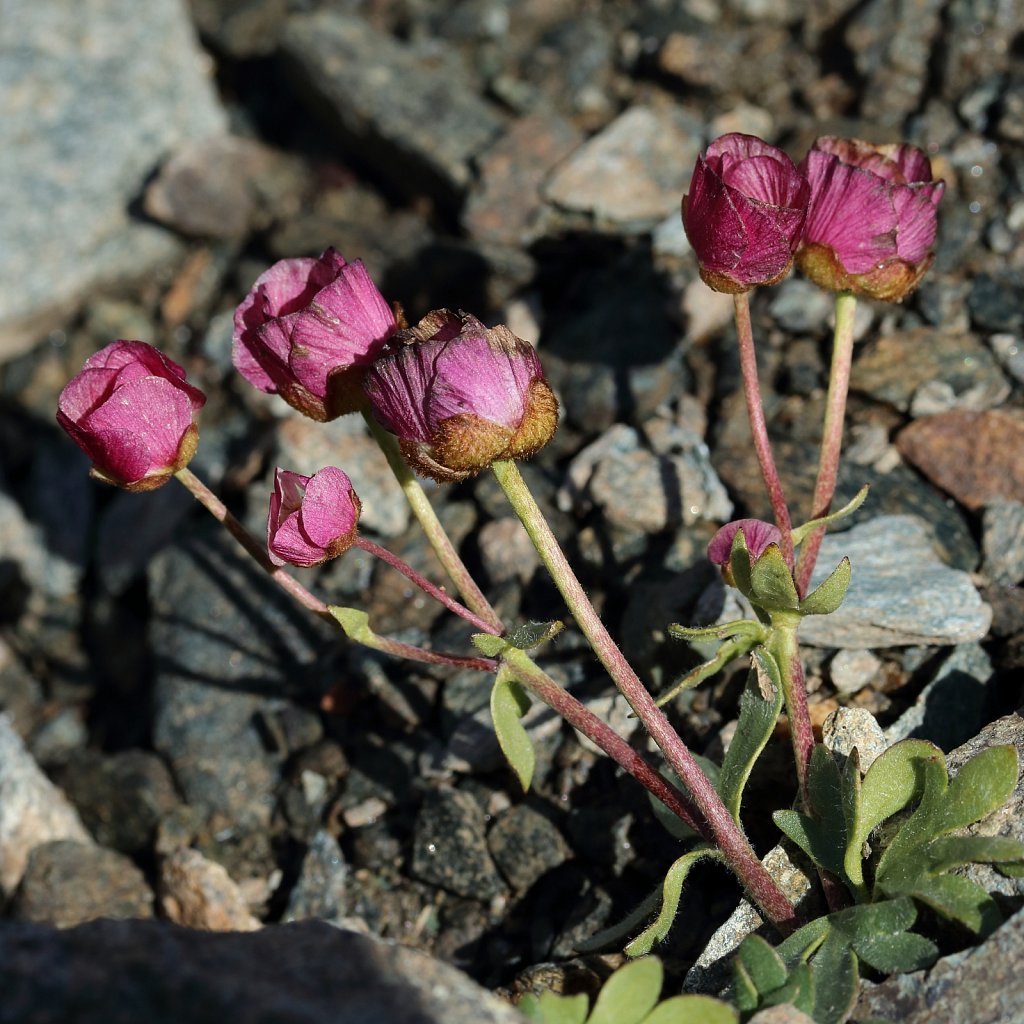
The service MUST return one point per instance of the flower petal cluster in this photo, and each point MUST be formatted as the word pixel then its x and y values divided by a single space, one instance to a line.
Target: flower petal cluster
pixel 744 212
pixel 308 329
pixel 757 535
pixel 871 221
pixel 459 395
pixel 312 518
pixel 131 411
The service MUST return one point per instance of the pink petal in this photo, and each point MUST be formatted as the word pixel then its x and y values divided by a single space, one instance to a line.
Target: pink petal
pixel 398 387
pixel 767 179
pixel 756 533
pixel 915 210
pixel 290 545
pixel 713 225
pixel 85 391
pixel 328 511
pixel 122 453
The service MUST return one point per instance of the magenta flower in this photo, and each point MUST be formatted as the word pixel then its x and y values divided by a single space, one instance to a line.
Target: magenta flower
pixel 459 396
pixel 130 410
pixel 871 222
pixel 757 535
pixel 312 518
pixel 744 212
pixel 307 331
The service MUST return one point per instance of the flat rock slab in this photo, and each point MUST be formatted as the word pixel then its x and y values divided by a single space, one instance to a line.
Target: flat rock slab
pixel 631 175
pixel 901 592
pixel 974 456
pixel 122 972
pixel 91 101
pixel 418 126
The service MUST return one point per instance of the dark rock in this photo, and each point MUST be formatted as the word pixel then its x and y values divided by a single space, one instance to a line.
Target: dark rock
pixel 1003 542
pixel 974 456
pixel 108 93
pixel 420 128
pixel 322 884
pixel 241 28
pixel 67 883
pixel 525 845
pixel 121 797
pixel 994 301
pixel 307 972
pixel 979 39
pixel 450 848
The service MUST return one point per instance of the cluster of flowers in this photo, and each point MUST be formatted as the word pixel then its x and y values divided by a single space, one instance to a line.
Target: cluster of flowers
pixel 856 217
pixel 459 395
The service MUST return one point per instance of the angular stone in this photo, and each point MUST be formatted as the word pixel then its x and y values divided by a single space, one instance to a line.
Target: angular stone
pixel 504 205
pixel 32 810
pixel 307 971
pixel 1003 542
pixel 901 593
pixel 418 127
pixel 974 456
pixel 631 175
pixel 323 882
pixel 525 845
pixel 88 106
pixel 199 893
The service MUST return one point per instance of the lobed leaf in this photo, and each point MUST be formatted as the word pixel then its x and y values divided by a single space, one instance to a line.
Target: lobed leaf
pixel 954 851
pixel 824 847
pixel 692 1009
pixel 981 786
pixel 550 1008
pixel 630 993
pixel 900 953
pixel 957 898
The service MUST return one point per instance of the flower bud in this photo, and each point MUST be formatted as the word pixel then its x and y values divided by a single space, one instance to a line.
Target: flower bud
pixel 312 518
pixel 459 396
pixel 871 221
pixel 757 535
pixel 744 212
pixel 130 410
pixel 307 331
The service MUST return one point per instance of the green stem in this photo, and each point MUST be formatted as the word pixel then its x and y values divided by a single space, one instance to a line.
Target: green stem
pixel 431 525
pixel 758 426
pixel 785 649
pixel 832 433
pixel 722 830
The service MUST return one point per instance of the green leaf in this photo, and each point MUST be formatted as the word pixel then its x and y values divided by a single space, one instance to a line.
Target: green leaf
pixel 829 594
pixel 1011 870
pixel 629 924
pixel 550 1008
pixel 488 644
pixel 354 622
pixel 957 898
pixel 836 981
pixel 532 634
pixel 509 702
pixel 672 891
pixel 747 628
pixel 803 942
pixel 730 649
pixel 798 990
pixel 692 1010
pixel 630 993
pixel 823 846
pixel 739 563
pixel 981 786
pixel 802 531
pixel 898 953
pixel 671 822
pixel 760 705
pixel 771 582
pixel 761 964
pixel 954 851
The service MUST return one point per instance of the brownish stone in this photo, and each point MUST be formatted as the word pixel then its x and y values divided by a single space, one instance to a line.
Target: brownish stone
pixel 974 456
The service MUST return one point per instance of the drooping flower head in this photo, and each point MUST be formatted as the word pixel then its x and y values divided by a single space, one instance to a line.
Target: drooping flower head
pixel 459 395
pixel 744 212
pixel 130 410
pixel 871 222
pixel 757 535
pixel 312 518
pixel 307 331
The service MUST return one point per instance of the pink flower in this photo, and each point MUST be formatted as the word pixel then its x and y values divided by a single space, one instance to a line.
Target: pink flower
pixel 312 518
pixel 459 396
pixel 130 410
pixel 307 331
pixel 871 222
pixel 757 535
pixel 744 212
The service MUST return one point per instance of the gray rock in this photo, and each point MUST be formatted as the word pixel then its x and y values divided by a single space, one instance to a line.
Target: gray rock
pixel 981 985
pixel 801 306
pixel 227 645
pixel 849 728
pixel 419 127
pixel 32 810
pixel 631 175
pixel 525 845
pixel 852 670
pixel 951 707
pixel 308 972
pixel 1002 542
pixel 323 881
pixel 199 893
pixel 25 544
pixel 901 593
pixel 91 104
pixel 1010 353
pixel 994 301
pixel 450 848
pixel 506 551
pixel 68 883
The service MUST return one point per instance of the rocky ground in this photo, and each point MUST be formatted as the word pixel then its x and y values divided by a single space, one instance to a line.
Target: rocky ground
pixel 179 742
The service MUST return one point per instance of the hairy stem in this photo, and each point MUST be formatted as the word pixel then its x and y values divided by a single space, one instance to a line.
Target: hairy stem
pixel 758 426
pixel 832 434
pixel 425 585
pixel 722 830
pixel 784 648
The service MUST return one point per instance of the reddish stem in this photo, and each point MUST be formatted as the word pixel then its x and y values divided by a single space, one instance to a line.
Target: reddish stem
pixel 758 426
